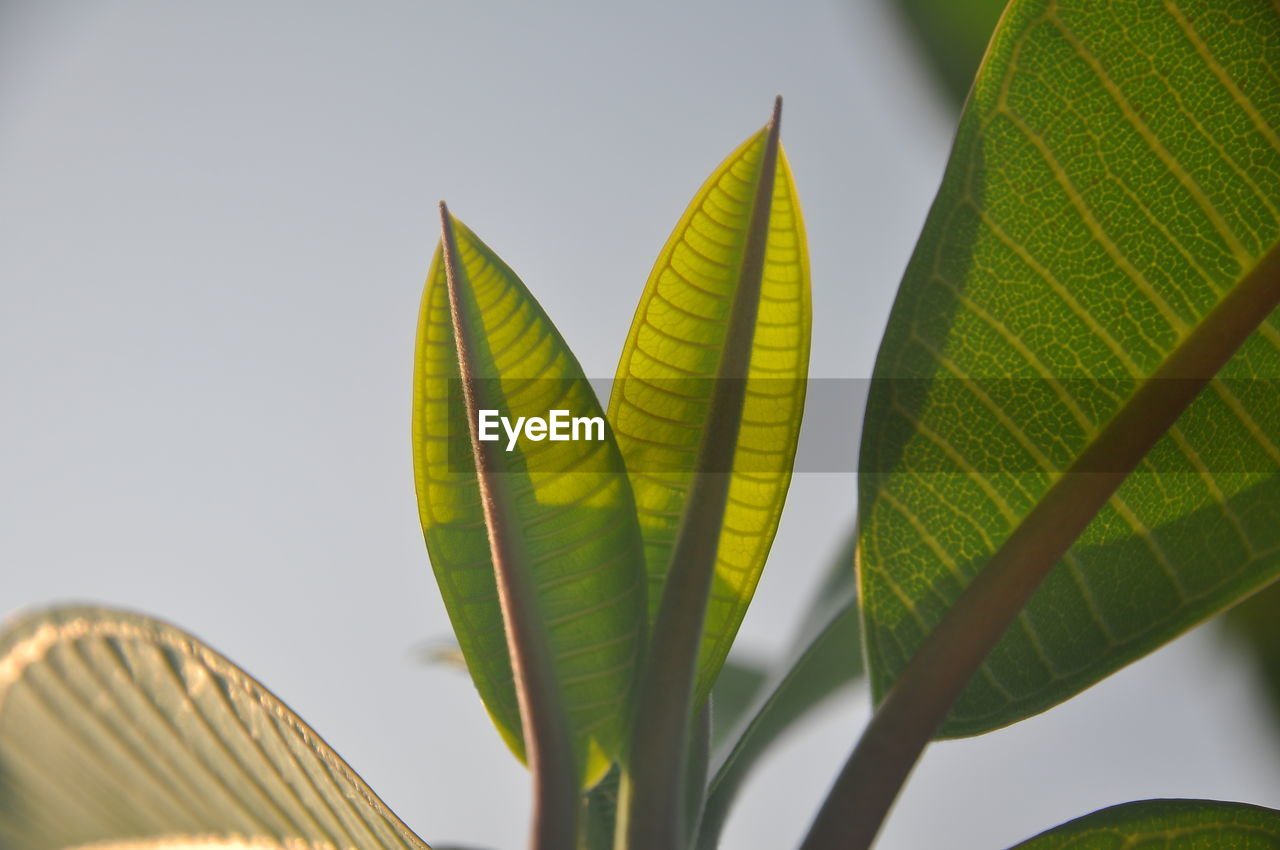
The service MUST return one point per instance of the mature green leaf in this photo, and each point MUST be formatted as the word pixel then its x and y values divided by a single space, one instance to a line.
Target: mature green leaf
pixel 1115 182
pixel 1166 825
pixel 668 374
pixel 118 729
pixel 570 517
pixel 952 37
pixel 826 656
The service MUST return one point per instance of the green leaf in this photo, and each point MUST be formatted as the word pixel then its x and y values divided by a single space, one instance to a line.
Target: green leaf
pixel 707 406
pixel 825 657
pixel 736 688
pixel 118 728
pixel 667 378
pixel 1171 824
pixel 568 516
pixel 1255 626
pixel 951 36
pixel 1109 213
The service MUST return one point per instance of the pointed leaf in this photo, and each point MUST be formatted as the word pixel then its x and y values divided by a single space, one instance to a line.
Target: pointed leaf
pixel 120 731
pixel 666 380
pixel 1109 214
pixel 1172 824
pixel 730 400
pixel 568 507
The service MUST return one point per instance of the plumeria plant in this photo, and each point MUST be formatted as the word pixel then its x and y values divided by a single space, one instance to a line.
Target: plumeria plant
pixel 1070 455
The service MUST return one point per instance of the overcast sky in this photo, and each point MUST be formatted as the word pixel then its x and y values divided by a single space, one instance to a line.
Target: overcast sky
pixel 216 221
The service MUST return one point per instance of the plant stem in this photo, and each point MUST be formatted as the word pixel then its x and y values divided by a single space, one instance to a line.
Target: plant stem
pixel 696 765
pixel 547 742
pixel 652 797
pixel 939 671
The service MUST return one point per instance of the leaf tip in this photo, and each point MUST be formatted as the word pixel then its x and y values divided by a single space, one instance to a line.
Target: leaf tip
pixel 775 119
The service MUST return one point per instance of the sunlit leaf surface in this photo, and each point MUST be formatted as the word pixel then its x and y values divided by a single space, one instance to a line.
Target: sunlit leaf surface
pixel 572 518
pixel 1116 175
pixel 666 380
pixel 123 733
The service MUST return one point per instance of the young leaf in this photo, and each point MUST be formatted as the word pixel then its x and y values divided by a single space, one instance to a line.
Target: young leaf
pixel 561 512
pixel 1106 228
pixel 119 730
pixel 707 406
pixel 669 379
pixel 1166 823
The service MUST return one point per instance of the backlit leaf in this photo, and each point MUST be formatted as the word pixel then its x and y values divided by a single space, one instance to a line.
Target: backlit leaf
pixel 667 375
pixel 123 733
pixel 571 517
pixel 1115 180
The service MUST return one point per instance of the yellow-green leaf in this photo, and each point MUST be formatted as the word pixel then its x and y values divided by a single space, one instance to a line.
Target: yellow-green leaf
pixel 569 513
pixel 1115 185
pixel 666 380
pixel 1166 824
pixel 118 731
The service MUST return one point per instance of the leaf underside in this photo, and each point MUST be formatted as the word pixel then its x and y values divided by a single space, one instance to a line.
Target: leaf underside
pixel 119 731
pixel 666 379
pixel 1166 825
pixel 1116 173
pixel 576 529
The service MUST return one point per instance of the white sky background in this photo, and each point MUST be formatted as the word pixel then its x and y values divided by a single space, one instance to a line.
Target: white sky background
pixel 215 221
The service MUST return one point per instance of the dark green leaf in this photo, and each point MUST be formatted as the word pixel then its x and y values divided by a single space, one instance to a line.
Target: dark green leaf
pixel 1166 825
pixel 1255 625
pixel 735 690
pixel 951 36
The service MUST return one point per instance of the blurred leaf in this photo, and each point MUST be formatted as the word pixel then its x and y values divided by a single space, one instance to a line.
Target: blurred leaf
pixel 118 728
pixel 1188 824
pixel 570 518
pixel 826 656
pixel 1109 214
pixel 670 372
pixel 952 37
pixel 442 653
pixel 599 813
pixel 1255 623
pixel 735 690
